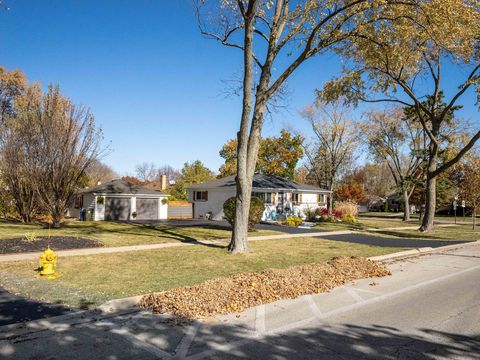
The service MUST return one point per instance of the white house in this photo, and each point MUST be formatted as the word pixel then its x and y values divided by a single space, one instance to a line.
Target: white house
pixel 281 196
pixel 120 200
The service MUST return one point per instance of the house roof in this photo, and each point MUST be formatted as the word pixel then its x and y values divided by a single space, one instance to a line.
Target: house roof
pixel 260 181
pixel 120 186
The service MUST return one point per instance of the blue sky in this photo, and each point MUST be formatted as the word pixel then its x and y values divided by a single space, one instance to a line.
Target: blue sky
pixel 155 85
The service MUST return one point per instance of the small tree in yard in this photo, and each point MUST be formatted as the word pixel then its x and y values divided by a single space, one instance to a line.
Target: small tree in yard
pixel 470 185
pixel 254 216
pixel 55 142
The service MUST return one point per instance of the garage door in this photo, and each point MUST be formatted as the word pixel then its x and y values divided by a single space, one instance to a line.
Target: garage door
pixel 147 209
pixel 117 208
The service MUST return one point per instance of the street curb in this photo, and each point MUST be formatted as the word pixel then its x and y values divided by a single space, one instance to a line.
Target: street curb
pixel 131 303
pixel 420 251
pixel 117 305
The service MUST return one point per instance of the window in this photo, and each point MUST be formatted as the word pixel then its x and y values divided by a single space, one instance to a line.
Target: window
pixel 78 202
pixel 296 198
pixel 321 198
pixel 266 197
pixel 200 195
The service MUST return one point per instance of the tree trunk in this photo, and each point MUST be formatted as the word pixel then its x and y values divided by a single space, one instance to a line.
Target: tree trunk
pixel 474 215
pixel 330 198
pixel 56 221
pixel 406 210
pixel 238 243
pixel 431 190
pixel 430 203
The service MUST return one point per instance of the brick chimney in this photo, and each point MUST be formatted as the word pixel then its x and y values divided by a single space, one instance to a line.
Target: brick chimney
pixel 163 182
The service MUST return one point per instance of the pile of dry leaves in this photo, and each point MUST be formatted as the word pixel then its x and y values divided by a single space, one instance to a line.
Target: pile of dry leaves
pixel 238 292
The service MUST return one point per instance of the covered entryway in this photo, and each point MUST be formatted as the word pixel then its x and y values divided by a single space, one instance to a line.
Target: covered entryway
pixel 117 208
pixel 147 209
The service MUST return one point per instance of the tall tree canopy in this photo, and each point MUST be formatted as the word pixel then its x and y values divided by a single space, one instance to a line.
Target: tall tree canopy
pixel 276 156
pixel 335 140
pixel 401 58
pixel 276 37
pixel 396 140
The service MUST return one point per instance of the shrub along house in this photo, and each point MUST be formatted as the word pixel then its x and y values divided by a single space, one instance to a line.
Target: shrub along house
pixel 281 196
pixel 120 200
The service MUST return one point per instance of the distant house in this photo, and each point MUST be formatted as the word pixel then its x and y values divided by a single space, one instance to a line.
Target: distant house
pixel 120 200
pixel 281 196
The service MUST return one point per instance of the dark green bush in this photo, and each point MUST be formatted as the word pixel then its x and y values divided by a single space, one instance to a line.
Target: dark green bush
pixel 255 213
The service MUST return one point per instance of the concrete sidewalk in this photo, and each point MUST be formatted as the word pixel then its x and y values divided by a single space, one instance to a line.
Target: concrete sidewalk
pixel 120 249
pixel 429 308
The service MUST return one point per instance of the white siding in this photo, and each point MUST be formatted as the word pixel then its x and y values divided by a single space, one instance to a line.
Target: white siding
pixel 214 204
pixel 217 197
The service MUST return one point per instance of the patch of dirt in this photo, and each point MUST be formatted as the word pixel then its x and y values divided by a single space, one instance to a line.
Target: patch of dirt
pixel 239 292
pixel 21 245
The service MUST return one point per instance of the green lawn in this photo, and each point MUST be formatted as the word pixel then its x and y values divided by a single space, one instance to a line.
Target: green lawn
pixel 91 280
pixel 365 224
pixel 95 279
pixel 120 234
pixel 388 215
pixel 399 215
pixel 454 233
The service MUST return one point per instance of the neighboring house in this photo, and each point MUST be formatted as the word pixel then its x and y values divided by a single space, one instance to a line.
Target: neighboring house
pixel 120 200
pixel 372 203
pixel 281 196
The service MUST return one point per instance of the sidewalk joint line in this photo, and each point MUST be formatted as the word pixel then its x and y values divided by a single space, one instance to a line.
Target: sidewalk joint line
pixel 314 307
pixel 260 319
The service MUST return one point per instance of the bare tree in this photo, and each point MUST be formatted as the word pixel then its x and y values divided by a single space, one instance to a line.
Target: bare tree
pixel 333 147
pixel 55 141
pixel 98 172
pixel 400 143
pixel 170 172
pixel 146 172
pixel 276 37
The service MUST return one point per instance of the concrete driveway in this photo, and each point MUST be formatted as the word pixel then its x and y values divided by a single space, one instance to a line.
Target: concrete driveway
pixel 428 309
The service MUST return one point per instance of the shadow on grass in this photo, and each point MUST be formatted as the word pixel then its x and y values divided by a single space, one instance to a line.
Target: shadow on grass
pixel 143 229
pixel 14 309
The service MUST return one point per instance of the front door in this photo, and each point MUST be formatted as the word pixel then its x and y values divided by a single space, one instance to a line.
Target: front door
pixel 281 202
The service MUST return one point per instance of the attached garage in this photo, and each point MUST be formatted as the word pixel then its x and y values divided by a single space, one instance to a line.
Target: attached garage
pixel 147 209
pixel 117 208
pixel 119 200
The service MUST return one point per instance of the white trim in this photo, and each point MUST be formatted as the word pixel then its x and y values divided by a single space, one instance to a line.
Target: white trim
pixel 153 196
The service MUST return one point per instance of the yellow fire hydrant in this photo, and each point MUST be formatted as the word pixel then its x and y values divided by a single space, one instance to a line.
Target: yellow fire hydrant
pixel 48 262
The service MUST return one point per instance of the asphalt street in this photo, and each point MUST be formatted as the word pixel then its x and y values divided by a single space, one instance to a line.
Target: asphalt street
pixel 429 308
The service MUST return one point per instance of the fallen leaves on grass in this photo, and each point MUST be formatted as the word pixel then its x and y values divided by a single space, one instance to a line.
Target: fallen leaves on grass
pixel 239 292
